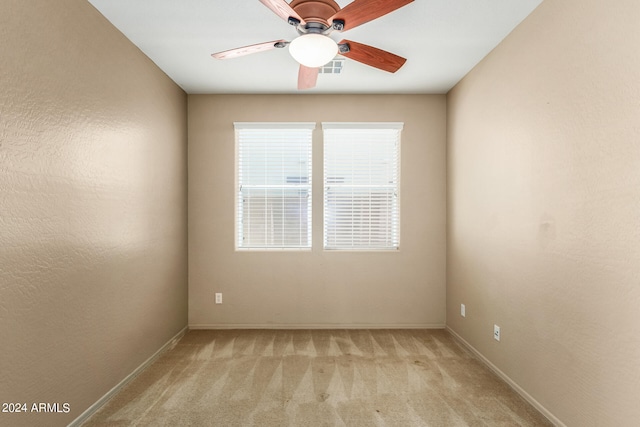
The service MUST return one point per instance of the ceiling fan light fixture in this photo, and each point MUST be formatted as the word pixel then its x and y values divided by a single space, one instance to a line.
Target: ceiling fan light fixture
pixel 313 50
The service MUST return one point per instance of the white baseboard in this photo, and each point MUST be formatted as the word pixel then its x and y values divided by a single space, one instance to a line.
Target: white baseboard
pixel 508 380
pixel 316 326
pixel 104 399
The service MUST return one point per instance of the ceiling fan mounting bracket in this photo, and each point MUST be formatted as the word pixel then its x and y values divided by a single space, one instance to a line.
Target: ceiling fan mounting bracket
pixel 337 24
pixel 293 21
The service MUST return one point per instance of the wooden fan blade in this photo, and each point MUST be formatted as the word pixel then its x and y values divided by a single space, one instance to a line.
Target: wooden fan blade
pixel 307 77
pixel 373 56
pixel 246 50
pixel 282 9
pixel 359 12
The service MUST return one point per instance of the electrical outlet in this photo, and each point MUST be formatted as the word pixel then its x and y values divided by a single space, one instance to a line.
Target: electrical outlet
pixel 496 332
pixel 463 310
pixel 218 298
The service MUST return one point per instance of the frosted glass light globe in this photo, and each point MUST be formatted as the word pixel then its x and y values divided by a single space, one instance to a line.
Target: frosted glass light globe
pixel 313 50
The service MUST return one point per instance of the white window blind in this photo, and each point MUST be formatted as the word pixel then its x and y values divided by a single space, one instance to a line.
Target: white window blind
pixel 361 185
pixel 273 202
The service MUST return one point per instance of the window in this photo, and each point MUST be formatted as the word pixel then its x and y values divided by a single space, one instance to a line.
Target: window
pixel 273 199
pixel 361 185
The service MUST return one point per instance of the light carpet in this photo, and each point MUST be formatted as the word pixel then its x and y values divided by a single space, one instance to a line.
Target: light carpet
pixel 317 378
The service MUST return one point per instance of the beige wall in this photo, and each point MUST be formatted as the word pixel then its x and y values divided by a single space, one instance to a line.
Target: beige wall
pixel 316 288
pixel 93 264
pixel 544 209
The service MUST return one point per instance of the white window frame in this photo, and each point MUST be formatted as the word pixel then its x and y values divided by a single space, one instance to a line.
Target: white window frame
pixel 383 232
pixel 246 184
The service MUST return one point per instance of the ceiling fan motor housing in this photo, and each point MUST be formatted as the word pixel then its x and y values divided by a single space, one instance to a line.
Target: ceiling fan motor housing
pixel 315 10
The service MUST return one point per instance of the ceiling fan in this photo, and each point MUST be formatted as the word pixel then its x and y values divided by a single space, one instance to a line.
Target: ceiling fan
pixel 315 20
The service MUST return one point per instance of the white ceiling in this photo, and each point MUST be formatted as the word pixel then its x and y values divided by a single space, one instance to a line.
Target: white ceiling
pixel 441 39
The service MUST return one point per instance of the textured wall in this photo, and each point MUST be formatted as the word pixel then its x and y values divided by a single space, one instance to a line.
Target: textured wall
pixel 316 287
pixel 93 247
pixel 544 203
